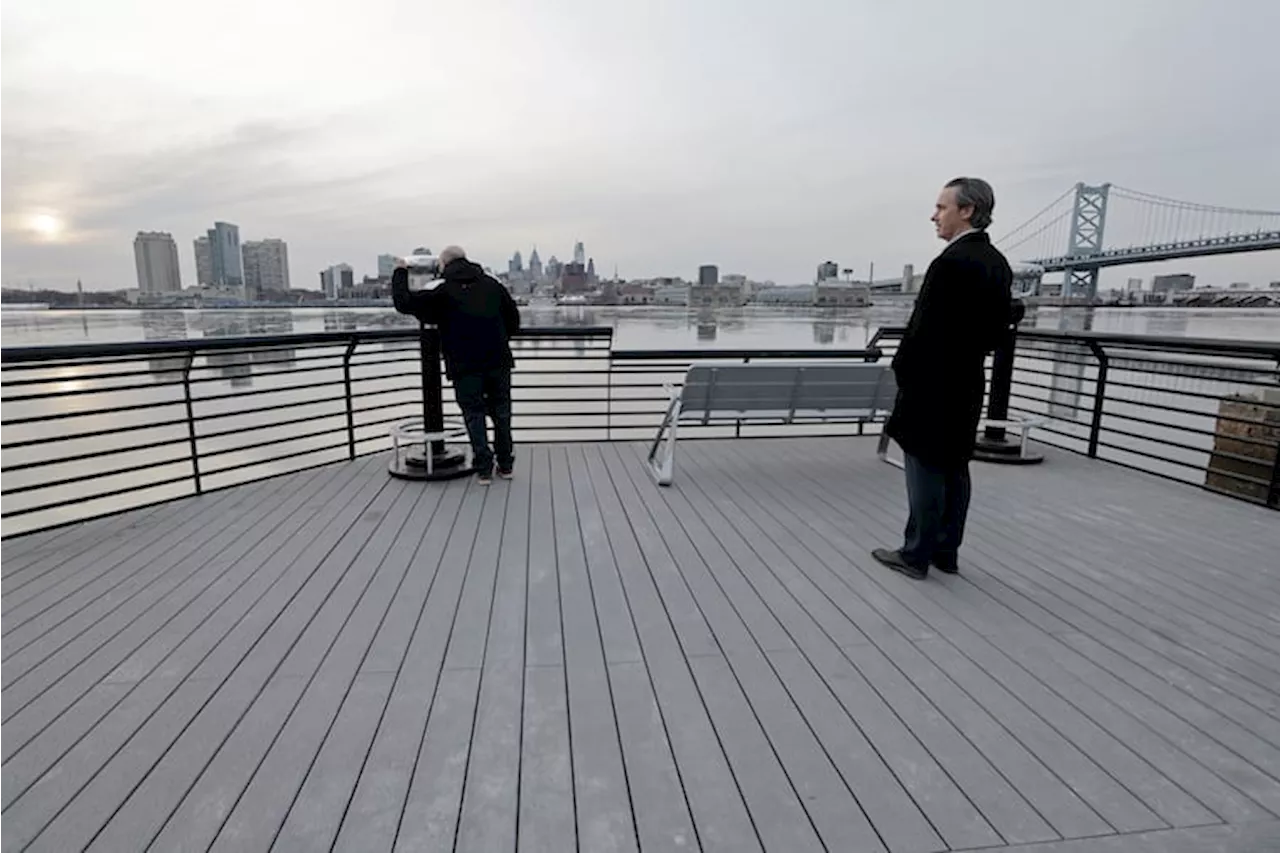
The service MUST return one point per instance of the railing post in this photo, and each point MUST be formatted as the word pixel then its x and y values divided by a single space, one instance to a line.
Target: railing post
pixel 191 421
pixel 994 445
pixel 346 384
pixel 608 397
pixel 1099 396
pixel 1273 492
pixel 432 385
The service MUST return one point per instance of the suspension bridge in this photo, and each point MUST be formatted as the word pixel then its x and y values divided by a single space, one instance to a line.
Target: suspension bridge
pixel 1110 225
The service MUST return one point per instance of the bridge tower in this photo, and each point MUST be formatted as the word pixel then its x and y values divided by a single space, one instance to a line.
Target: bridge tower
pixel 1088 219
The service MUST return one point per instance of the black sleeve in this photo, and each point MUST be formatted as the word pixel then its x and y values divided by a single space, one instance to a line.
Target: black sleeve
pixel 424 304
pixel 510 311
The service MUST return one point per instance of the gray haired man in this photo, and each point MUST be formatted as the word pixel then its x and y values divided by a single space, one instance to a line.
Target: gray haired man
pixel 959 317
pixel 476 317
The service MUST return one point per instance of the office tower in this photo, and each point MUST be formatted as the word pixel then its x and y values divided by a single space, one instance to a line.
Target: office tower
pixel 708 274
pixel 336 279
pixel 204 262
pixel 156 256
pixel 228 263
pixel 266 266
pixel 579 254
pixel 386 266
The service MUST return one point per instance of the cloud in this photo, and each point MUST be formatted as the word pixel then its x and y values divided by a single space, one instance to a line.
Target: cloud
pixel 759 136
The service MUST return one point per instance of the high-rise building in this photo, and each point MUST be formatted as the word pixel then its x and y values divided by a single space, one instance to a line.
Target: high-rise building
pixel 535 265
pixel 1168 283
pixel 156 256
pixel 554 268
pixel 516 264
pixel 573 278
pixel 708 274
pixel 591 270
pixel 828 270
pixel 386 266
pixel 228 263
pixel 335 279
pixel 204 262
pixel 266 266
pixel 579 254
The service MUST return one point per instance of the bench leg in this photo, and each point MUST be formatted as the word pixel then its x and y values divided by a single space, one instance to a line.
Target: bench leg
pixel 662 453
pixel 882 450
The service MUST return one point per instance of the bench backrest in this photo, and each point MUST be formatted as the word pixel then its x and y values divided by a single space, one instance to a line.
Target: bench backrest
pixel 771 389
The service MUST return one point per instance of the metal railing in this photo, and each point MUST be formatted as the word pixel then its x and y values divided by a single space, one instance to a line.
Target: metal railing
pixel 94 429
pixel 1201 411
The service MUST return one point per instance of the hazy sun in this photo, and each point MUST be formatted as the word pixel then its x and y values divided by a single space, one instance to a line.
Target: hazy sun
pixel 46 225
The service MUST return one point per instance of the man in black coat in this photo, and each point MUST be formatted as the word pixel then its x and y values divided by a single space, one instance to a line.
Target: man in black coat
pixel 959 316
pixel 476 317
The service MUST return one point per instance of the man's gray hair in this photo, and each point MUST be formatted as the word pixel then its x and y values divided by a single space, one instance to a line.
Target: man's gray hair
pixel 975 193
pixel 450 254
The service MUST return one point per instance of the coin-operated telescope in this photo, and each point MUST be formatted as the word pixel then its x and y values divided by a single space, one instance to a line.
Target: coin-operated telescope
pixel 424 270
pixel 423 448
pixel 994 444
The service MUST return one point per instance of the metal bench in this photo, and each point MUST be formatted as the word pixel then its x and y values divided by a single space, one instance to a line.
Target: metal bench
pixel 715 393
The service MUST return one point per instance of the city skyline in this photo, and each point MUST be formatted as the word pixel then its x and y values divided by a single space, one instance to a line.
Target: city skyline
pixel 789 150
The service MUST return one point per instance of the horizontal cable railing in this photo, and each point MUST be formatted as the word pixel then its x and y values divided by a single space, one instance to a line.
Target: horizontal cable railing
pixel 94 429
pixel 1201 411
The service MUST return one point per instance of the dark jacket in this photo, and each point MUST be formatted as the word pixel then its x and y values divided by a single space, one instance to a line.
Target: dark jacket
pixel 959 317
pixel 475 314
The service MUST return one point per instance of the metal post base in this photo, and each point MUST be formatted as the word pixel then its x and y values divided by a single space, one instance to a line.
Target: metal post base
pixel 412 465
pixel 1004 452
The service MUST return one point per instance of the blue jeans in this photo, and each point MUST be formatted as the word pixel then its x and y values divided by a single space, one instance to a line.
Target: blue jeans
pixel 487 395
pixel 939 501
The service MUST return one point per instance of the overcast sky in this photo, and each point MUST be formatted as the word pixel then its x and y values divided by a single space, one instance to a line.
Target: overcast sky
pixel 760 135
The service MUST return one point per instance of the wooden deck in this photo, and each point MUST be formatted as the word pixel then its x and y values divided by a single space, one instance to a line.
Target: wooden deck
pixel 579 660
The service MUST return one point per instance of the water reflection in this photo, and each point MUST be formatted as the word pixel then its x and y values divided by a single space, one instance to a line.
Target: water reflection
pixel 273 323
pixel 705 323
pixel 234 366
pixel 160 326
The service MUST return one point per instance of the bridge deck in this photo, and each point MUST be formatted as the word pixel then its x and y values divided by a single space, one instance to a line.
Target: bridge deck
pixel 580 660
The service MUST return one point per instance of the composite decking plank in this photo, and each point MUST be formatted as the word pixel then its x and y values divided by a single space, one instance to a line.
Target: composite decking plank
pixel 490 802
pixel 43 735
pixel 317 813
pixel 661 801
pixel 670 640
pixel 602 796
pixel 431 810
pixel 100 568
pixel 998 801
pixel 373 816
pixel 1057 579
pixel 180 803
pixel 307 683
pixel 27 556
pixel 783 817
pixel 265 801
pixel 100 612
pixel 579 659
pixel 167 697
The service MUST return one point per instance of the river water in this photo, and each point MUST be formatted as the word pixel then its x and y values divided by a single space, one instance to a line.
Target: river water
pixel 634 328
pixel 267 412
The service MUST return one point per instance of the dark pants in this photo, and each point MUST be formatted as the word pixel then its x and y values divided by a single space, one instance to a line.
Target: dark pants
pixel 482 395
pixel 939 501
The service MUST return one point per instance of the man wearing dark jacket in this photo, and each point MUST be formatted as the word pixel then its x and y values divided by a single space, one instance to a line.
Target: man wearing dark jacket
pixel 959 316
pixel 476 317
